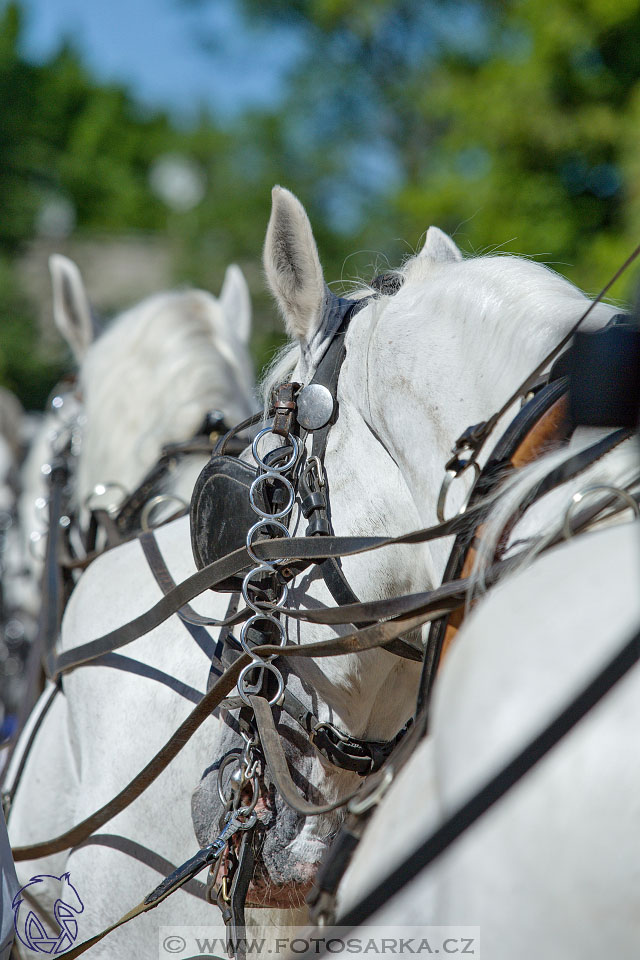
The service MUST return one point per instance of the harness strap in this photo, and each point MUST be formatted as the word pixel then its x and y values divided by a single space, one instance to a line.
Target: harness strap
pixel 225 445
pixel 165 581
pixel 307 548
pixel 344 596
pixel 129 511
pixel 350 753
pixel 474 438
pixel 321 898
pixel 137 786
pixel 497 786
pixel 9 793
pixel 367 639
pixel 463 554
pixel 277 764
pixel 52 587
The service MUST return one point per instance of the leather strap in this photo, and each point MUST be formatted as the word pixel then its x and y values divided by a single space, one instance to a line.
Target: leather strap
pixel 52 587
pixel 541 425
pixel 9 794
pixel 236 933
pixel 367 639
pixel 356 754
pixel 277 764
pixel 344 596
pixel 303 548
pixel 137 786
pixel 496 787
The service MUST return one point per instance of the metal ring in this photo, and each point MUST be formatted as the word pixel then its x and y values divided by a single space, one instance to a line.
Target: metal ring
pixel 249 623
pixel 99 491
pixel 265 522
pixel 449 477
pixel 155 502
pixel 247 809
pixel 578 497
pixel 272 475
pixel 254 665
pixel 234 755
pixel 372 799
pixel 265 466
pixel 256 605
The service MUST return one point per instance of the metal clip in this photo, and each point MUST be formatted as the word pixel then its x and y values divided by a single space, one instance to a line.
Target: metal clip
pixel 329 727
pixel 314 469
pixel 455 469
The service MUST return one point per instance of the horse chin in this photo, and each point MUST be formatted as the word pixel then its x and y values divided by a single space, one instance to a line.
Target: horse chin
pixel 287 861
pixel 263 892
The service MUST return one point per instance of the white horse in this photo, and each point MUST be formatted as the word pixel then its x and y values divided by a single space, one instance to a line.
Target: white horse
pixel 421 365
pixel 549 870
pixel 150 379
pixel 138 386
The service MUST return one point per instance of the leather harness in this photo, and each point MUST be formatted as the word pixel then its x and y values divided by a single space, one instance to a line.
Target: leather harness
pixel 536 432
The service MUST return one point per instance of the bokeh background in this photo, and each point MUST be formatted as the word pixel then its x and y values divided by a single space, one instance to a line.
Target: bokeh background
pixel 142 137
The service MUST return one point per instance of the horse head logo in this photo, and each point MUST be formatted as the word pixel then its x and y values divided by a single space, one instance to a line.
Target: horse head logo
pixel 29 926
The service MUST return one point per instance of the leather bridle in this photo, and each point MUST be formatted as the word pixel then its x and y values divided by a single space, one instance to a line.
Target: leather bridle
pixel 395 617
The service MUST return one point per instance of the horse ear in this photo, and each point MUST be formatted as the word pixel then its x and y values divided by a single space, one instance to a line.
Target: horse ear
pixel 439 247
pixel 292 265
pixel 235 301
pixel 71 307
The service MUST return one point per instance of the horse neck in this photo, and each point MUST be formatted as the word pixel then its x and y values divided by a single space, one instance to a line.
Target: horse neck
pixel 440 362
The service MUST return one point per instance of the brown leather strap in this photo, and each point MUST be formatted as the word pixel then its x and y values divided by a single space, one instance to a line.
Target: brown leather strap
pixel 366 639
pixel 145 778
pixel 81 948
pixel 303 548
pixel 165 581
pixel 277 765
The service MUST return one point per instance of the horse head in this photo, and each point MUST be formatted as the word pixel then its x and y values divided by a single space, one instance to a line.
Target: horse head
pixel 438 350
pixel 147 379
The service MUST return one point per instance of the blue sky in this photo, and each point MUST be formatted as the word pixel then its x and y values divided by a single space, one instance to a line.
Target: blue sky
pixel 171 54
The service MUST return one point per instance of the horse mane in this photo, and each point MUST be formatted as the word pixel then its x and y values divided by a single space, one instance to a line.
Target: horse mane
pixel 537 299
pixel 538 295
pixel 151 377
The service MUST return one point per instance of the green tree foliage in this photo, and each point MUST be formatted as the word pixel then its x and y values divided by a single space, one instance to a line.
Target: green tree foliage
pixel 511 124
pixel 538 137
pixel 62 135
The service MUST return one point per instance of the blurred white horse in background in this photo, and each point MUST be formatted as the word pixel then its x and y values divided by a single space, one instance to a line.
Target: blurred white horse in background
pixel 148 380
pixel 14 629
pixel 137 389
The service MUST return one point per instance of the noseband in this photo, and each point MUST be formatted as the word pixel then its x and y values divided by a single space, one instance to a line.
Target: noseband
pixel 282 471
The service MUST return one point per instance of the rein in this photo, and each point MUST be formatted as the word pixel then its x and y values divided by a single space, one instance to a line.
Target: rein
pixel 401 614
